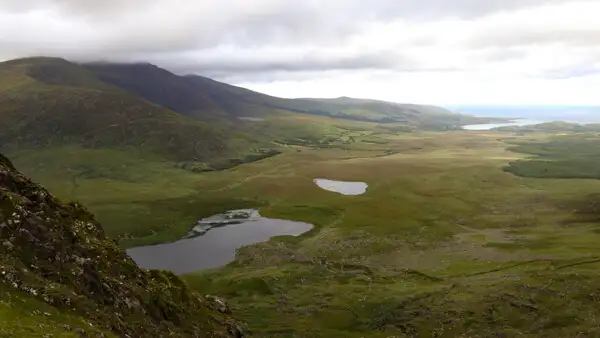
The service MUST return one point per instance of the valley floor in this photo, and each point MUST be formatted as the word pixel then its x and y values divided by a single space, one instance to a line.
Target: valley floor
pixel 444 243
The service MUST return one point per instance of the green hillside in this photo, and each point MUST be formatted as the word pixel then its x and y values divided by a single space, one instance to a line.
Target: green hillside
pixel 198 97
pixel 48 102
pixel 416 116
pixel 60 275
pixel 161 87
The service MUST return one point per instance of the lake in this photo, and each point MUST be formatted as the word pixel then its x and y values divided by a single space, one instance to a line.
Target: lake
pixel 215 243
pixel 514 123
pixel 342 187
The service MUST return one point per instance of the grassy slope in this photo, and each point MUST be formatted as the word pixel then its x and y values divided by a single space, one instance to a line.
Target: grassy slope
pixel 22 315
pixel 412 115
pixel 52 103
pixel 161 87
pixel 58 269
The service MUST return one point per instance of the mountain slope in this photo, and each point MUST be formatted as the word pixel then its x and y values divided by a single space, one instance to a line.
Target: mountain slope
pixel 52 102
pixel 418 116
pixel 207 99
pixel 413 115
pixel 161 87
pixel 57 254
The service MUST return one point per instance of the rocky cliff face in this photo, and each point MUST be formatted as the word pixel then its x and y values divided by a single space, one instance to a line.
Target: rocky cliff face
pixel 57 252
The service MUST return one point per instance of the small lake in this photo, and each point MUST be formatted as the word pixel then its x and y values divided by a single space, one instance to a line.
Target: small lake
pixel 214 240
pixel 514 123
pixel 342 187
pixel 250 118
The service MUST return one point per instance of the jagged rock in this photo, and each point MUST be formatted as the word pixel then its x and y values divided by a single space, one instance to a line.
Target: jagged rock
pixel 59 253
pixel 218 304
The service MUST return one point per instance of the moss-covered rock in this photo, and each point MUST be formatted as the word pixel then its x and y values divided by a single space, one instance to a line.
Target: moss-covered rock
pixel 57 252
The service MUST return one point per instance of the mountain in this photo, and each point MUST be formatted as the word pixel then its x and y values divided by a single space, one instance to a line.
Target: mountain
pixel 194 96
pixel 52 102
pixel 418 116
pixel 206 99
pixel 198 122
pixel 60 275
pixel 161 87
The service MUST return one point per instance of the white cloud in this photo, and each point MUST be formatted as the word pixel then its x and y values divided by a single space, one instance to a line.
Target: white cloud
pixel 538 55
pixel 430 51
pixel 444 88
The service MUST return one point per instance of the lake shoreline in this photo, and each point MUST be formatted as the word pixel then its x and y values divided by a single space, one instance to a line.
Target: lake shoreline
pixel 213 242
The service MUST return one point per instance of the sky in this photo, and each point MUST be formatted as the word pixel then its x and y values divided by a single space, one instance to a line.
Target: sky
pixel 444 52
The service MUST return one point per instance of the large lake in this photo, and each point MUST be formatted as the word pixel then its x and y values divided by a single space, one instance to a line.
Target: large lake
pixel 514 123
pixel 217 239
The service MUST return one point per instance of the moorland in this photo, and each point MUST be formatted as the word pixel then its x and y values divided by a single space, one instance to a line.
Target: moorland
pixel 472 233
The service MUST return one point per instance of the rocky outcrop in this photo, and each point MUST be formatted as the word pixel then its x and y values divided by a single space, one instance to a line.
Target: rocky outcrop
pixel 58 252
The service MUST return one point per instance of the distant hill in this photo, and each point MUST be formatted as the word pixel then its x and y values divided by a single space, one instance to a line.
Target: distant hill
pixel 556 127
pixel 52 102
pixel 417 116
pixel 208 100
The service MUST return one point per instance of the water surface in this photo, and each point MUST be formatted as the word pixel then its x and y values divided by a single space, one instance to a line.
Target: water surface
pixel 250 118
pixel 342 187
pixel 217 245
pixel 514 123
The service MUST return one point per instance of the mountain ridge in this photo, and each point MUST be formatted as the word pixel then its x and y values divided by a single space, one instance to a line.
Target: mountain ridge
pixel 234 101
pixel 209 100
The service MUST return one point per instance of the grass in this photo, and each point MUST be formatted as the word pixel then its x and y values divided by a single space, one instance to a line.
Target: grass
pixel 443 243
pixel 24 316
pixel 126 191
pixel 57 254
pixel 563 156
pixel 144 199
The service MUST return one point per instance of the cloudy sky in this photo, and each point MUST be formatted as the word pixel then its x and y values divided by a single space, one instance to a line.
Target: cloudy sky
pixel 444 52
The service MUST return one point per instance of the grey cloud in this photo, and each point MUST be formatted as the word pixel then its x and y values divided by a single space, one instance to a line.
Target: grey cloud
pixel 517 37
pixel 231 67
pixel 378 9
pixel 149 25
pixel 308 62
pixel 186 35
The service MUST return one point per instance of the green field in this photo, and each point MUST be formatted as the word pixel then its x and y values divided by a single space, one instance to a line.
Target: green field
pixel 559 156
pixel 445 242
